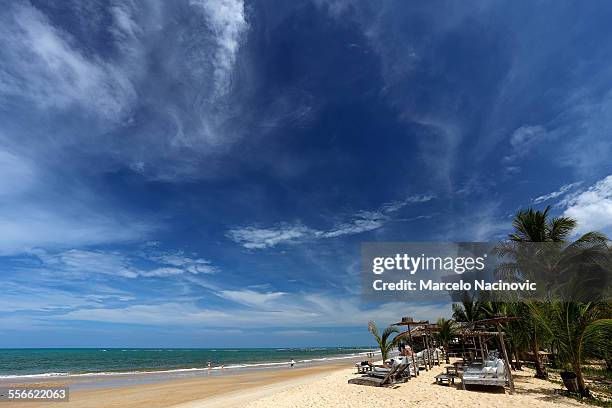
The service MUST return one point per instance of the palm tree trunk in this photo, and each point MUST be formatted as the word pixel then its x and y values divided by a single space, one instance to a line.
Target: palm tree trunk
pixel 540 369
pixel 446 354
pixel 584 391
pixel 383 353
pixel 518 365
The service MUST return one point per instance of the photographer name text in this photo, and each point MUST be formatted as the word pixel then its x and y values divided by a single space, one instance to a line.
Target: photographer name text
pixel 429 285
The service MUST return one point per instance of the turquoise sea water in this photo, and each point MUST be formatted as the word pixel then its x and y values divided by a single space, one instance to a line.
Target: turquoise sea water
pixel 60 362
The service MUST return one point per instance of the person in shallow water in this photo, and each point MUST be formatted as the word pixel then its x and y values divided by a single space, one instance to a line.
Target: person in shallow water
pixel 292 362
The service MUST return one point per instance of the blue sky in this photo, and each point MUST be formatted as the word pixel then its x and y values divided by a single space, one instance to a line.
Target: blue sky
pixel 202 173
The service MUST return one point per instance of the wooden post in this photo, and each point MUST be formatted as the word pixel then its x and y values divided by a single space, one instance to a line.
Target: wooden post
pixel 428 344
pixel 414 363
pixel 506 362
pixel 482 354
pixel 424 338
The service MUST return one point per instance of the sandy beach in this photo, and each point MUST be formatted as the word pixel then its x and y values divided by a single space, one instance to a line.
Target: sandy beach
pixel 315 386
pixel 334 391
pixel 233 389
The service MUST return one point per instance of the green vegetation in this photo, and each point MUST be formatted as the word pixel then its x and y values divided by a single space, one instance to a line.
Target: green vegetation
pixel 576 335
pixel 385 343
pixel 578 331
pixel 574 332
pixel 446 332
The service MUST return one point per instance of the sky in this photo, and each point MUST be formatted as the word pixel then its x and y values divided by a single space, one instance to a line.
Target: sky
pixel 202 173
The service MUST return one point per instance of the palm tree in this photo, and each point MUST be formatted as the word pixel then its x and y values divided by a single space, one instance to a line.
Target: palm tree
pixel 517 331
pixel 469 310
pixel 384 342
pixel 534 226
pixel 588 254
pixel 447 331
pixel 579 330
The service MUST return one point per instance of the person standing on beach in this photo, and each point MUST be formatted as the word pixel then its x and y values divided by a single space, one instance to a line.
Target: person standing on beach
pixel 292 362
pixel 209 365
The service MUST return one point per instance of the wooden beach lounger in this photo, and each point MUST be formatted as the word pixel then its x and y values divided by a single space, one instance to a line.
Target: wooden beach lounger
pixel 381 377
pixel 474 376
pixel 363 367
pixel 445 378
pixel 480 380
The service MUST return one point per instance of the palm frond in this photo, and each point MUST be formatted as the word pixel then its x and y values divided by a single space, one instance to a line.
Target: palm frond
pixel 560 228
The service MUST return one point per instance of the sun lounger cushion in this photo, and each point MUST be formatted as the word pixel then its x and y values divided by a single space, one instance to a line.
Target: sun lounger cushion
pixel 501 368
pixel 491 363
pixel 489 370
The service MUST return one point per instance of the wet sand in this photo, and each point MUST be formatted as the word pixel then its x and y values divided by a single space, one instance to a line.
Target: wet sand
pixel 239 387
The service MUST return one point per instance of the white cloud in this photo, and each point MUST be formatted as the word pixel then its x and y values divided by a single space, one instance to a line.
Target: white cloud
pixel 562 190
pixel 591 208
pixel 398 205
pixel 523 140
pixel 41 64
pixel 250 308
pixel 40 300
pixel 84 262
pixel 260 238
pixel 301 310
pixel 363 221
pixel 37 210
pixel 182 262
pixel 50 66
pixel 250 297
pixel 17 174
pixel 586 128
pixel 32 225
pixel 227 20
pixel 526 136
pixel 162 272
pixel 19 297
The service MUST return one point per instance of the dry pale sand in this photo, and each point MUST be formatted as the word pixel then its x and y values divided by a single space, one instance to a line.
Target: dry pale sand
pixel 334 391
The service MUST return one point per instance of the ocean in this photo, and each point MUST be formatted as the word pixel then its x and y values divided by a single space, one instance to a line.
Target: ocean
pixel 34 363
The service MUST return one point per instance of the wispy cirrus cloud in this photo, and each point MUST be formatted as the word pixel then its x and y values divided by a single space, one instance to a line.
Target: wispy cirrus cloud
pixel 522 141
pixel 41 65
pixel 252 237
pixel 260 238
pixel 227 19
pixel 523 138
pixel 304 310
pixel 251 297
pixel 80 262
pixel 37 210
pixel 22 296
pixel 50 68
pixel 562 190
